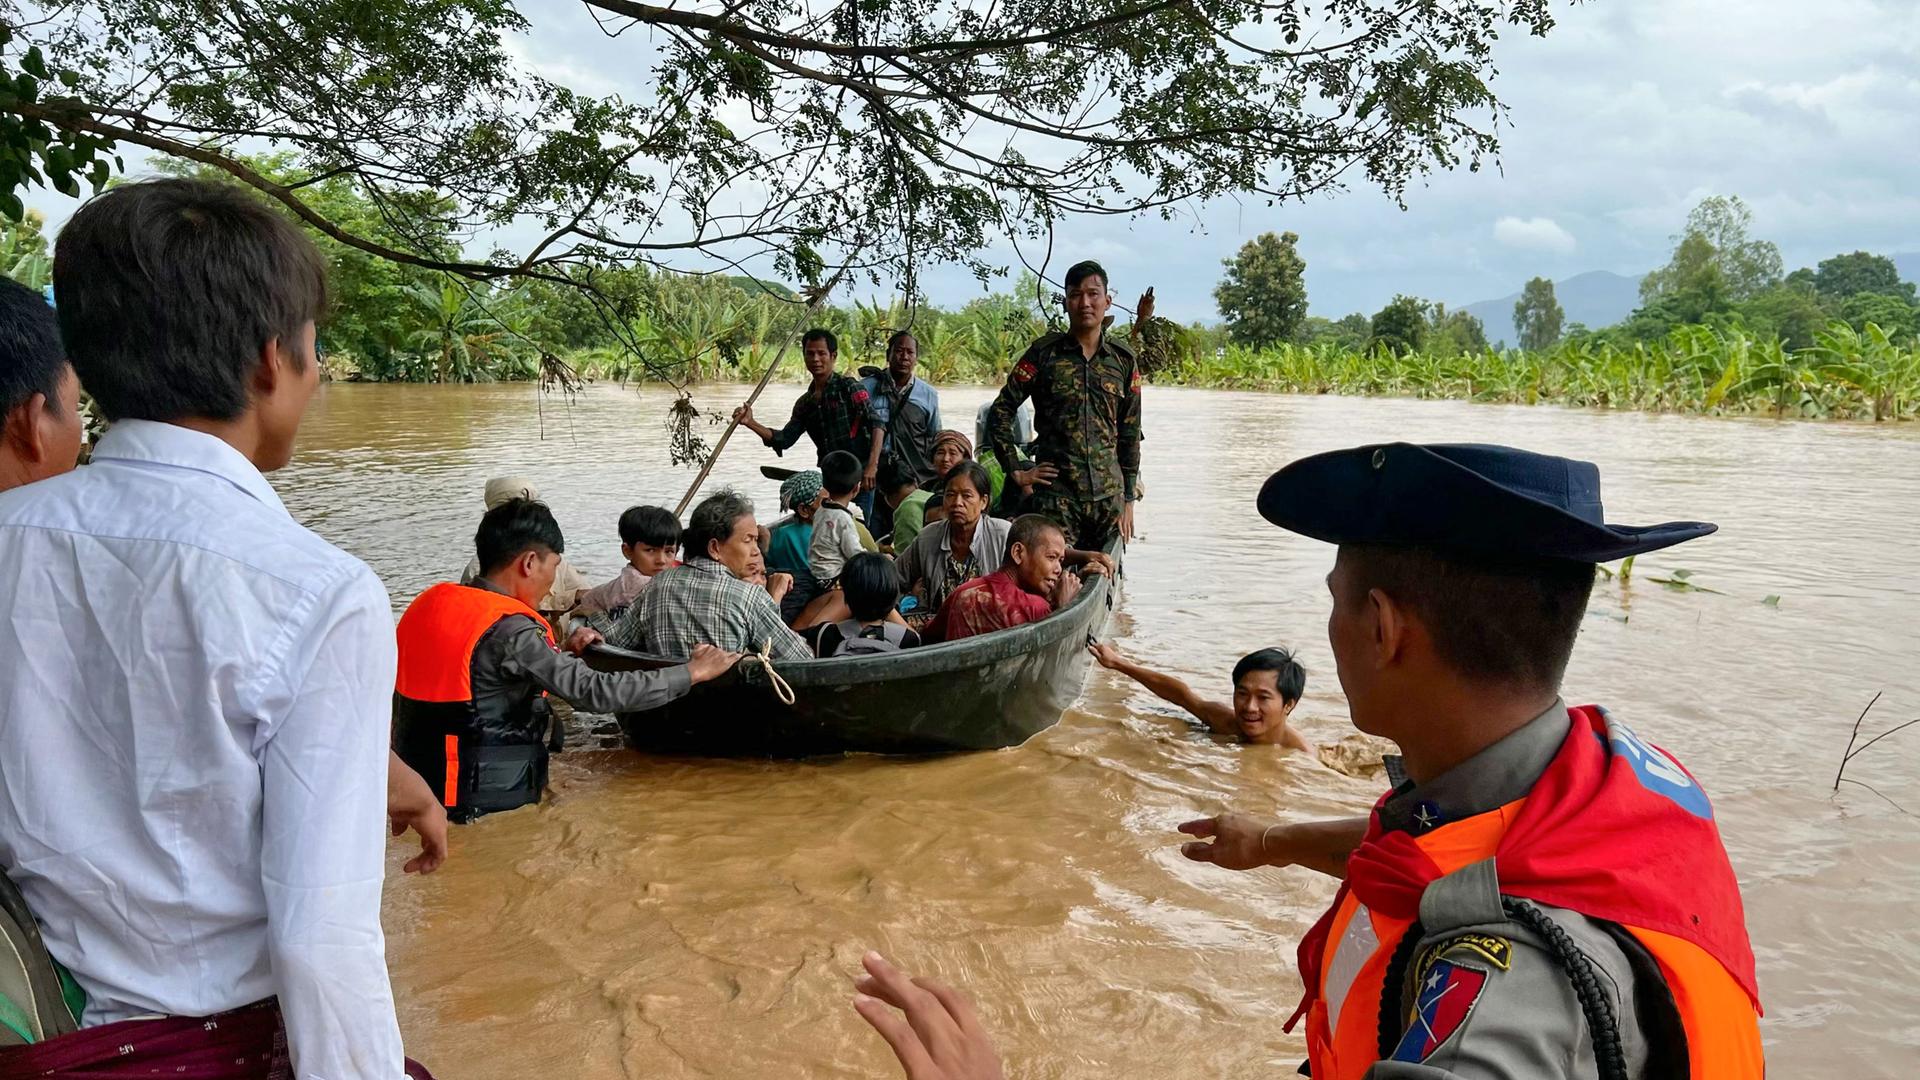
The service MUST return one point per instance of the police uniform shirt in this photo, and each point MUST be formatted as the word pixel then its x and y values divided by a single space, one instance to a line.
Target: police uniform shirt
pixel 1525 1020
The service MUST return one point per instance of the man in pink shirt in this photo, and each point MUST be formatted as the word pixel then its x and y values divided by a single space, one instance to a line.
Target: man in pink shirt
pixel 1031 585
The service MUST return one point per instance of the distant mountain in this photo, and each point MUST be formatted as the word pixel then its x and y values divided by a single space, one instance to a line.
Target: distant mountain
pixel 1596 298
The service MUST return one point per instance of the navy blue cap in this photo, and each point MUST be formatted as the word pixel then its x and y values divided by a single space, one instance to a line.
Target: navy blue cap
pixel 1492 500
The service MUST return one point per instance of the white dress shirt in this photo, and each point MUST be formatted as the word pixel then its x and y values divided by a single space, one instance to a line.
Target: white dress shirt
pixel 195 698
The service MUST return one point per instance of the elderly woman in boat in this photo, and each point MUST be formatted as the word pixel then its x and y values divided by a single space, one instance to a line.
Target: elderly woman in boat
pixel 965 545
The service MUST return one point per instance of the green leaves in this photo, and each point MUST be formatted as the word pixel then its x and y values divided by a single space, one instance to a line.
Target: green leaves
pixel 35 149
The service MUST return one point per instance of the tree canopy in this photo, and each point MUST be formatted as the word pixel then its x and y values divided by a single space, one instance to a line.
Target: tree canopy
pixel 1537 315
pixel 1402 324
pixel 785 136
pixel 1715 256
pixel 1858 272
pixel 1264 293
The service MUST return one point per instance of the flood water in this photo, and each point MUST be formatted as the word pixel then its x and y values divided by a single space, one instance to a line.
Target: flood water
pixel 676 918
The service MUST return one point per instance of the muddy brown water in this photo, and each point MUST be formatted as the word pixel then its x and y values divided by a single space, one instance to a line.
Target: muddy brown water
pixel 683 918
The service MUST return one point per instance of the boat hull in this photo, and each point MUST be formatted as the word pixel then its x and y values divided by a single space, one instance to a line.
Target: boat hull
pixel 980 693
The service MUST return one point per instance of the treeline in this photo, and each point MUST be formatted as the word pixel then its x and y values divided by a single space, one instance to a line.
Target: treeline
pixel 1720 327
pixel 1718 277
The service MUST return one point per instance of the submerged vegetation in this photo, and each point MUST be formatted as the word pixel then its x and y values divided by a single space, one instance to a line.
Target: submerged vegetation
pixel 1845 374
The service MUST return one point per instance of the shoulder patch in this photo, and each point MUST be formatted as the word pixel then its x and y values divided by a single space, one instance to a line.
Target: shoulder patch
pixel 1024 371
pixel 1492 948
pixel 1448 993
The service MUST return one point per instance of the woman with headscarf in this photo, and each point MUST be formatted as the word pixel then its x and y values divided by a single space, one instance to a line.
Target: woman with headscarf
pixel 951 448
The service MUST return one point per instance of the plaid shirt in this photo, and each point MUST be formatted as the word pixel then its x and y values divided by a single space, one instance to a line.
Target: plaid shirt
pixel 702 603
pixel 836 419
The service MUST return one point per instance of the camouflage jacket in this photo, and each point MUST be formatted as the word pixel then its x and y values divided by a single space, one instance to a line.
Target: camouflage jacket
pixel 1086 416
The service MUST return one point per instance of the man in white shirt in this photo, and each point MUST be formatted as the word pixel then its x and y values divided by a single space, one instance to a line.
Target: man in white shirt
pixel 194 724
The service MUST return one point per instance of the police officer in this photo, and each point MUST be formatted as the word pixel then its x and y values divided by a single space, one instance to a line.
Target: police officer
pixel 1085 388
pixel 1543 893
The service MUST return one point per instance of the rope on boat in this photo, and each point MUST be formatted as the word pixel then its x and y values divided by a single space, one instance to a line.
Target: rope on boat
pixel 781 689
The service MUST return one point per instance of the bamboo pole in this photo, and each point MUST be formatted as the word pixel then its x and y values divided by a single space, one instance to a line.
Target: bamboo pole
pixel 813 306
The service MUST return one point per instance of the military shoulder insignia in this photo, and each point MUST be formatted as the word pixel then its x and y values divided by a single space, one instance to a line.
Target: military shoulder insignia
pixel 1135 384
pixel 1448 992
pixel 1024 371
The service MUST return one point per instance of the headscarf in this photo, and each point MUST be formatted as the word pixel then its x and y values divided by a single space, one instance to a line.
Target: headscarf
pixel 504 489
pixel 952 436
pixel 799 489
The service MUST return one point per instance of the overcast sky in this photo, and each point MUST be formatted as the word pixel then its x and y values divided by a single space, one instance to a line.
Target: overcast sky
pixel 1622 118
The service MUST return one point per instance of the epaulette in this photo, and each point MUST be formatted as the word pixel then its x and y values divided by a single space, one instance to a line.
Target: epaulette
pixel 1122 346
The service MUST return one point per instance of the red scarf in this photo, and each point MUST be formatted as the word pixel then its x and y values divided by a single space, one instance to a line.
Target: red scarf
pixel 1615 829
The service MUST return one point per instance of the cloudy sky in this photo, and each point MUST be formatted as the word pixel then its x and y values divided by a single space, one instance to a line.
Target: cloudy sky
pixel 1622 118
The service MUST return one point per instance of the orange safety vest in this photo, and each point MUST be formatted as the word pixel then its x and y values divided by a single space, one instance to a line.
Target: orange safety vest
pixel 1343 1023
pixel 477 756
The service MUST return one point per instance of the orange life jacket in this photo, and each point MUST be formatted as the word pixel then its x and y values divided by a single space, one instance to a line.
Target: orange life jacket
pixel 478 756
pixel 1722 1029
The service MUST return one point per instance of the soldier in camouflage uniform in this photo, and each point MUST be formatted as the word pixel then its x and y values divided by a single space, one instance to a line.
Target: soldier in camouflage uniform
pixel 1085 389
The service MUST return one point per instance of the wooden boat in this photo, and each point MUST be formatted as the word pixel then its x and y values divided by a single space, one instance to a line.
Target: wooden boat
pixel 980 693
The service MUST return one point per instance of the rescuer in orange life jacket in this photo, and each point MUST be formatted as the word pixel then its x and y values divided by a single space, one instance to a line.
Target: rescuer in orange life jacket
pixel 1543 893
pixel 468 708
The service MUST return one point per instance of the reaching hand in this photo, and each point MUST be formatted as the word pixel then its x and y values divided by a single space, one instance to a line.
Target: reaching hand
pixel 1144 310
pixel 1040 475
pixel 709 662
pixel 412 805
pixel 1107 655
pixel 936 1034
pixel 778 585
pixel 582 639
pixel 1239 842
pixel 1098 562
pixel 743 415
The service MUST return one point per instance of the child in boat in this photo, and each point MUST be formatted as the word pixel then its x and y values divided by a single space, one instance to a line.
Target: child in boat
pixel 836 535
pixel 649 540
pixel 872 588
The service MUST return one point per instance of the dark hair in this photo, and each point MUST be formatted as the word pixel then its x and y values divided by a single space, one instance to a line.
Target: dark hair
pixel 652 525
pixel 168 290
pixel 895 337
pixel 1081 271
pixel 895 473
pixel 1027 529
pixel 31 359
pixel 972 470
pixel 712 520
pixel 872 585
pixel 1492 620
pixel 840 473
pixel 936 499
pixel 513 527
pixel 1288 676
pixel 821 333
